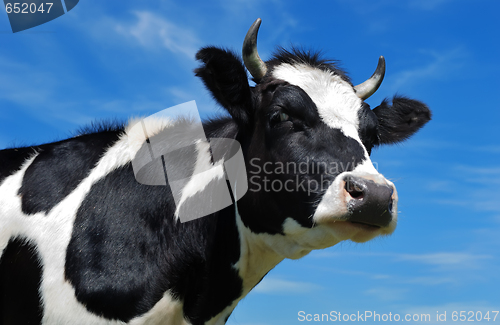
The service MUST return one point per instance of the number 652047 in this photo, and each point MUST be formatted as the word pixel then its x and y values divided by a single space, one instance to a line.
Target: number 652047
pixel 27 8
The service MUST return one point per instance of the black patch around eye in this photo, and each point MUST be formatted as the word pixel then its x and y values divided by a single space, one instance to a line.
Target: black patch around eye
pixel 295 102
pixel 284 123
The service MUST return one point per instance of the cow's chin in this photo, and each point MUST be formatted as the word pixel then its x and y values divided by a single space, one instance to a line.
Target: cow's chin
pixel 356 232
pixel 330 233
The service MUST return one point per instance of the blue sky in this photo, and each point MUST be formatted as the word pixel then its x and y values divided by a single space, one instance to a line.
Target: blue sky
pixel 117 59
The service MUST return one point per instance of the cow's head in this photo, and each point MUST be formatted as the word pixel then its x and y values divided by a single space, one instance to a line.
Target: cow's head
pixel 307 135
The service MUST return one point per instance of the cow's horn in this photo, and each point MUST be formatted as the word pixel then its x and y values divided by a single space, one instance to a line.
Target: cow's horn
pixel 253 62
pixel 367 88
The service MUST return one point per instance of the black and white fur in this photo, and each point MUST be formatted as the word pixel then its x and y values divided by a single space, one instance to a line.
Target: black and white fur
pixel 81 242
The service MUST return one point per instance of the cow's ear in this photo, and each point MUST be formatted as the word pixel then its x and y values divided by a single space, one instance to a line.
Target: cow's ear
pixel 225 77
pixel 400 119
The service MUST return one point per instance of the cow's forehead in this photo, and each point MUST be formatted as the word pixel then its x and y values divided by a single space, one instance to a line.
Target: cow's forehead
pixel 335 98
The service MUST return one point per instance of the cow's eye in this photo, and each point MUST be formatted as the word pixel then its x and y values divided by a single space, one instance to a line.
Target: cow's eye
pixel 284 117
pixel 279 117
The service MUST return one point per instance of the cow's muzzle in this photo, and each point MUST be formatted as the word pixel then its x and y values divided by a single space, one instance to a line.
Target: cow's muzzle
pixel 369 203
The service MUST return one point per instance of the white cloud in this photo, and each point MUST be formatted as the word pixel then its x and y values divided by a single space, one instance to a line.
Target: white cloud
pixel 488 171
pixel 470 184
pixel 437 185
pixel 437 258
pixel 151 31
pixel 442 65
pixel 386 294
pixel 431 280
pixel 43 95
pixel 273 285
pixel 23 85
pixel 488 148
pixel 428 269
pixel 446 259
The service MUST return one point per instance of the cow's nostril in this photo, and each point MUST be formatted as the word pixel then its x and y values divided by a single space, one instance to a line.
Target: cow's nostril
pixel 390 206
pixel 368 202
pixel 354 189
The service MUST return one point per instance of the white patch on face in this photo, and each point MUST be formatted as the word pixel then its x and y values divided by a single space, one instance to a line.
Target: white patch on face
pixel 338 106
pixel 335 98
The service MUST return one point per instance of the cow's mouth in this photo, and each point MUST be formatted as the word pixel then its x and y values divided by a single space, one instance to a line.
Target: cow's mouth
pixel 367 225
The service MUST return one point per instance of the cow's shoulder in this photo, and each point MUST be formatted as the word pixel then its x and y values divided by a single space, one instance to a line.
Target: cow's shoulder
pixel 59 167
pixel 127 250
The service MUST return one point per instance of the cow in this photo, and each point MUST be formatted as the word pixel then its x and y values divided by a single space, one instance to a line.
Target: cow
pixel 83 242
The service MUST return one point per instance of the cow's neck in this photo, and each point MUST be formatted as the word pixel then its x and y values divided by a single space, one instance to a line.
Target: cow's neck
pixel 257 258
pixel 254 261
